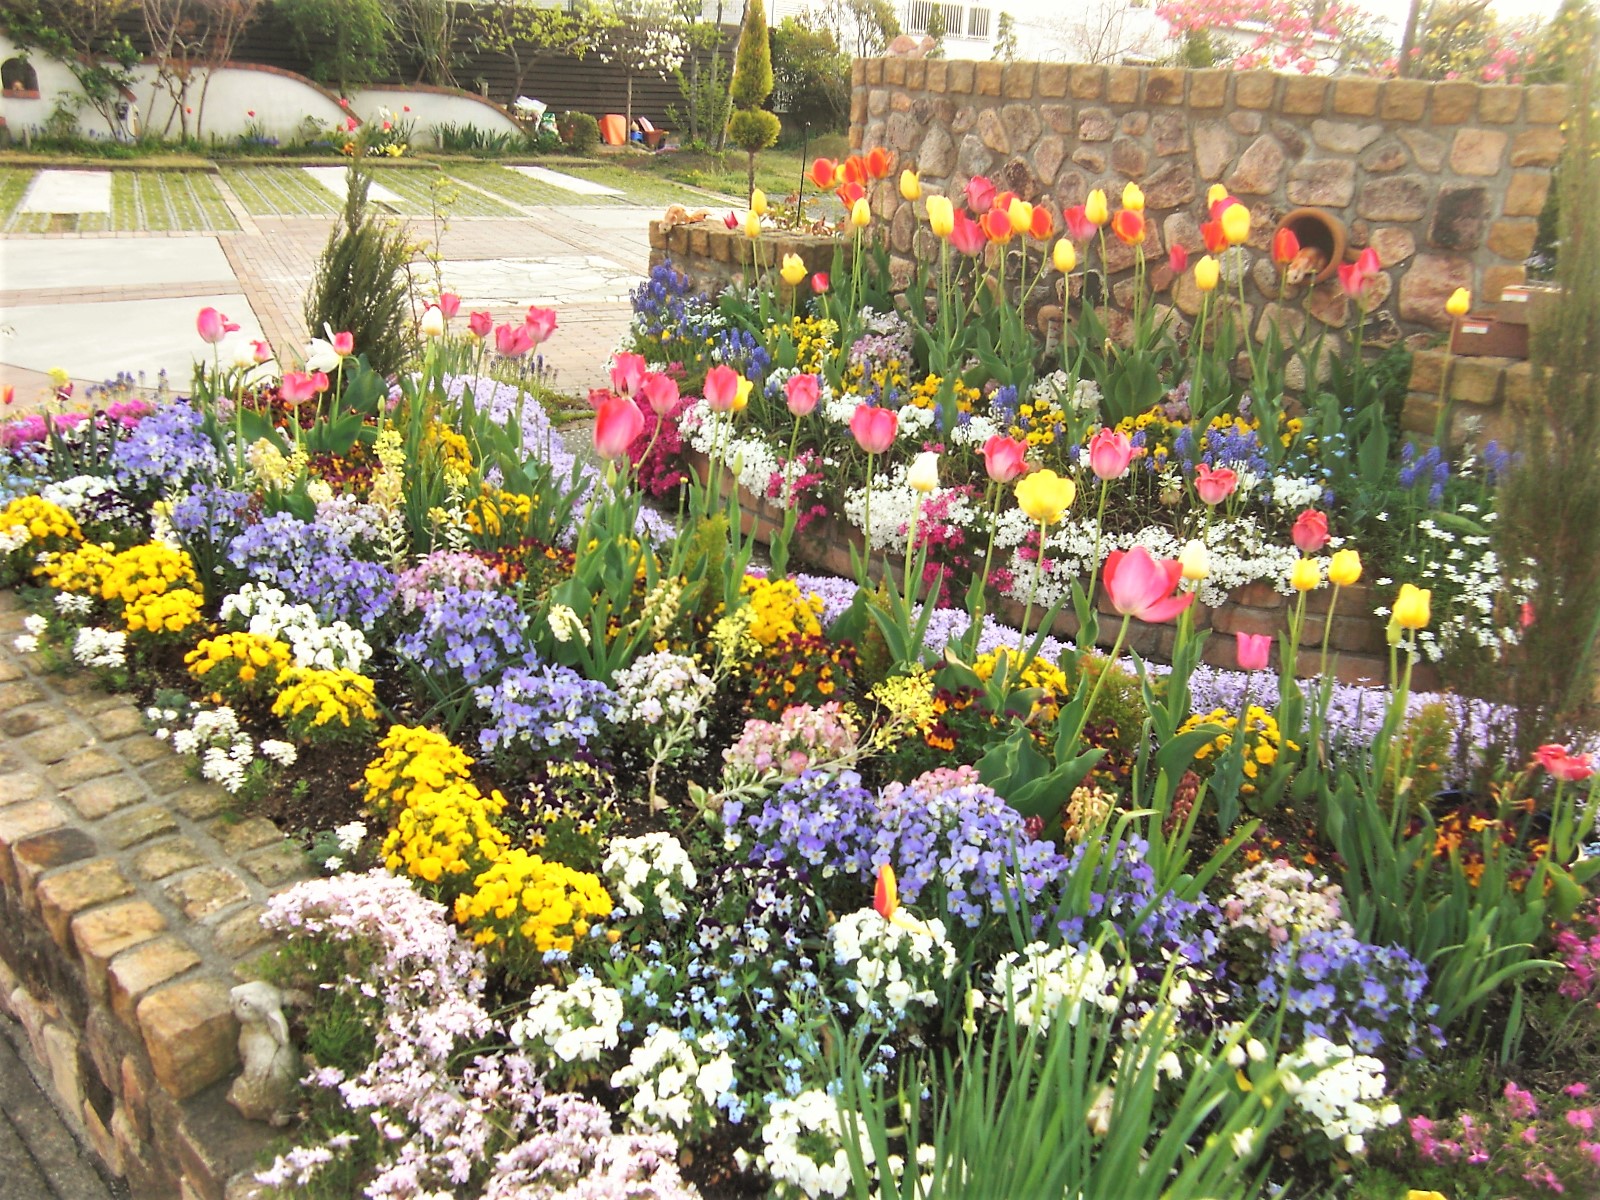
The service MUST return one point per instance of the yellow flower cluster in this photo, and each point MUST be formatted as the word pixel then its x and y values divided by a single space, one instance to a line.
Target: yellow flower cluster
pixel 446 832
pixel 1038 422
pixel 1041 673
pixel 412 760
pixel 492 511
pixel 1263 741
pixel 890 378
pixel 908 699
pixel 525 898
pixel 451 447
pixel 147 570
pixel 163 612
pixel 779 612
pixel 44 522
pixel 812 338
pixel 81 570
pixel 926 394
pixel 315 701
pixel 249 662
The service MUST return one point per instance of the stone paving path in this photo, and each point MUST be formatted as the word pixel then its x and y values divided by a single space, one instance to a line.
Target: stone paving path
pixel 39 1157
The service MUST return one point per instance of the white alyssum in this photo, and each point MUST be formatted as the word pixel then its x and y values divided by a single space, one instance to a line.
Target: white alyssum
pixel 889 966
pixel 28 642
pixel 1042 983
pixel 574 1024
pixel 283 753
pixel 75 493
pixel 96 647
pixel 652 867
pixel 804 1145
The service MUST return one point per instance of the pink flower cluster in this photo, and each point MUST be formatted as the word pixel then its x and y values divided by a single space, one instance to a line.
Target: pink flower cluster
pixel 804 735
pixel 1548 1146
pixel 1578 949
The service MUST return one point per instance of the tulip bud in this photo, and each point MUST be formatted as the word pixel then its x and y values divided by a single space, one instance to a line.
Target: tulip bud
pixel 910 185
pixel 1307 575
pixel 1195 560
pixel 1236 224
pixel 924 473
pixel 752 224
pixel 1133 198
pixel 1207 272
pixel 1344 568
pixel 861 213
pixel 793 270
pixel 819 282
pixel 1064 256
pixel 1458 304
pixel 432 321
pixel 941 215
pixel 758 202
pixel 1095 207
pixel 1020 214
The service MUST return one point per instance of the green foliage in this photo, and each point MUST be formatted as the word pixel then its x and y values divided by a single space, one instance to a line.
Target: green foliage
pixel 469 139
pixel 521 31
pixel 811 76
pixel 360 284
pixel 1005 38
pixel 753 129
pixel 579 131
pixel 752 62
pixel 346 41
pixel 936 30
pixel 83 36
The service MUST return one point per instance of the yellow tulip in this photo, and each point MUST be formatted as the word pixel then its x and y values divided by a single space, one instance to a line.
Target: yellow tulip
pixel 758 202
pixel 1064 256
pixel 1206 273
pixel 1236 224
pixel 1416 1194
pixel 1214 193
pixel 1021 216
pixel 1133 198
pixel 941 215
pixel 1345 568
pixel 1458 304
pixel 1095 208
pixel 1307 575
pixel 1411 607
pixel 793 270
pixel 1045 496
pixel 741 395
pixel 861 213
pixel 910 185
pixel 752 224
pixel 1195 560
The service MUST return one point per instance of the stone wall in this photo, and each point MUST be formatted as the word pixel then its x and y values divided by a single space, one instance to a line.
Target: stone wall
pixel 1444 180
pixel 130 899
pixel 1487 397
pixel 715 257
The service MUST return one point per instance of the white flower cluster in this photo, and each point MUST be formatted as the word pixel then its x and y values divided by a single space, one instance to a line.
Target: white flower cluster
pixel 565 625
pixel 96 647
pixel 266 612
pixel 1462 566
pixel 663 689
pixel 1275 902
pixel 14 537
pixel 73 494
pixel 577 1023
pixel 752 461
pixel 1292 493
pixel 350 835
pixel 74 604
pixel 28 642
pixel 804 1146
pixel 894 501
pixel 886 963
pixel 213 736
pixel 1342 1092
pixel 671 1087
pixel 281 752
pixel 1042 983
pixel 653 866
pixel 1058 389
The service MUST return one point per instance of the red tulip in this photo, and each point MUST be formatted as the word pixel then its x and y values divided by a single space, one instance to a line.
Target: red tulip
pixel 732 220
pixel 849 192
pixel 802 392
pixel 967 235
pixel 479 324
pixel 513 341
pixel 1524 618
pixel 1177 260
pixel 1128 226
pixel 1562 764
pixel 344 102
pixel 1004 458
pixel 617 422
pixel 1367 263
pixel 1284 246
pixel 449 304
pixel 627 371
pixel 1110 452
pixel 1215 239
pixel 886 895
pixel 819 282
pixel 1254 649
pixel 996 226
pixel 296 388
pixel 1222 205
pixel 1141 586
pixel 980 194
pixel 1310 531
pixel 344 344
pixel 212 325
pixel 1215 484
pixel 249 112
pixel 351 124
pixel 660 392
pixel 1041 226
pixel 541 323
pixel 722 388
pixel 1352 279
pixel 822 172
pixel 874 428
pixel 879 162
pixel 1079 227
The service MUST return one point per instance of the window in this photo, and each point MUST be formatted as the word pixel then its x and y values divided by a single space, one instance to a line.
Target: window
pixel 978 23
pixel 19 79
pixel 920 12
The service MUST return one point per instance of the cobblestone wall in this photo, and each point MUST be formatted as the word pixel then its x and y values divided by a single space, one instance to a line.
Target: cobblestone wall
pixel 129 905
pixel 1444 180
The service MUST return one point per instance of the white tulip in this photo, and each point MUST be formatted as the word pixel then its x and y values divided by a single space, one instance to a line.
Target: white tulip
pixel 924 473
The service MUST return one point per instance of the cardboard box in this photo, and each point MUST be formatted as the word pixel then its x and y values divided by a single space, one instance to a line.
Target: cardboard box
pixel 1527 303
pixel 1480 334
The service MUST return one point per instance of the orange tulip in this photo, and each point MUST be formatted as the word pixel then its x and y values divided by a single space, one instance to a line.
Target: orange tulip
pixel 1042 226
pixel 855 169
pixel 1284 246
pixel 997 225
pixel 1216 241
pixel 879 162
pixel 1128 226
pixel 822 172
pixel 850 192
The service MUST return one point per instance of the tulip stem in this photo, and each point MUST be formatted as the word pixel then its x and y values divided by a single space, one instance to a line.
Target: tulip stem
pixel 1327 630
pixel 1099 524
pixel 911 551
pixel 866 526
pixel 1100 679
pixel 1033 587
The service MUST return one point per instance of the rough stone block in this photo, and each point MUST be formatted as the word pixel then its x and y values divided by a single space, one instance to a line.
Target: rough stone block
pixel 988 78
pixel 1122 85
pixel 937 76
pixel 1427 370
pixel 252 833
pixel 166 858
pixel 917 74
pixel 1459 216
pixel 150 964
pixel 17 787
pixel 1401 198
pixel 1513 239
pixel 167 775
pixel 109 794
pixel 42 852
pixel 105 932
pixel 1428 283
pixel 1540 147
pixel 1526 194
pixel 20 722
pixel 1454 102
pixel 1497 279
pixel 19 821
pixel 69 892
pixel 1518 386
pixel 894 72
pixel 199 801
pixel 1404 100
pixel 241 933
pixel 54 744
pixel 1326 183
pixel 1208 89
pixel 1477 380
pixel 1255 89
pixel 140 825
pixel 1017 81
pixel 1052 80
pixel 206 892
pixel 190 1034
pixel 276 864
pixel 1304 95
pixel 1356 97
pixel 1499 104
pixel 1260 168
pixel 1548 104
pixel 961 78
pixel 1164 85
pixel 1478 152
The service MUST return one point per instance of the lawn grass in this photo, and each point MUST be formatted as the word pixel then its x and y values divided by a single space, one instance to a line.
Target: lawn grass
pixel 280 192
pixel 14 182
pixel 417 193
pixel 519 188
pixel 165 200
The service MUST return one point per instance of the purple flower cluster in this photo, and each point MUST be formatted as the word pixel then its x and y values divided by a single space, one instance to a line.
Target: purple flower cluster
pixel 315 565
pixel 1338 987
pixel 211 514
pixel 169 447
pixel 464 638
pixel 543 704
pixel 1156 926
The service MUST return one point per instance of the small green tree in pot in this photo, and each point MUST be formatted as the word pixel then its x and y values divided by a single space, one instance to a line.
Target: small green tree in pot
pixel 752 128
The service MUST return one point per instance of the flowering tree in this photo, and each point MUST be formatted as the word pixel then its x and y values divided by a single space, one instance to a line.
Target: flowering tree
pixel 1283 35
pixel 644 37
pixel 522 31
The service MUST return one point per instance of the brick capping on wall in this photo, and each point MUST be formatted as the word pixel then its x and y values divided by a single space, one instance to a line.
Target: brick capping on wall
pixel 1444 180
pixel 1357 638
pixel 129 905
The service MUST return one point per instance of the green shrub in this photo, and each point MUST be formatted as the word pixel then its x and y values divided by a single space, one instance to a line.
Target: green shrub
pixel 579 131
pixel 469 139
pixel 346 41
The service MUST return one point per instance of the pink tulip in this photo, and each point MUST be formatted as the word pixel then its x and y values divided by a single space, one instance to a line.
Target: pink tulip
pixel 1178 260
pixel 479 324
pixel 1110 452
pixel 980 194
pixel 1310 531
pixel 1562 764
pixel 1004 458
pixel 296 387
pixel 1141 586
pixel 541 323
pixel 320 382
pixel 722 388
pixel 1352 279
pixel 617 422
pixel 513 341
pixel 731 220
pixel 874 428
pixel 212 325
pixel 627 371
pixel 967 236
pixel 344 344
pixel 802 392
pixel 1079 227
pixel 1215 484
pixel 1525 617
pixel 1254 650
pixel 1367 262
pixel 351 124
pixel 449 304
pixel 660 392
pixel 260 350
pixel 819 282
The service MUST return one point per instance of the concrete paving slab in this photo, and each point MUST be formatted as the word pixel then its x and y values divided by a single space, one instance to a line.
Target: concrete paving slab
pixel 112 262
pixel 40 1159
pixel 99 340
pixel 68 192
pixel 336 180
pixel 554 281
pixel 570 183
